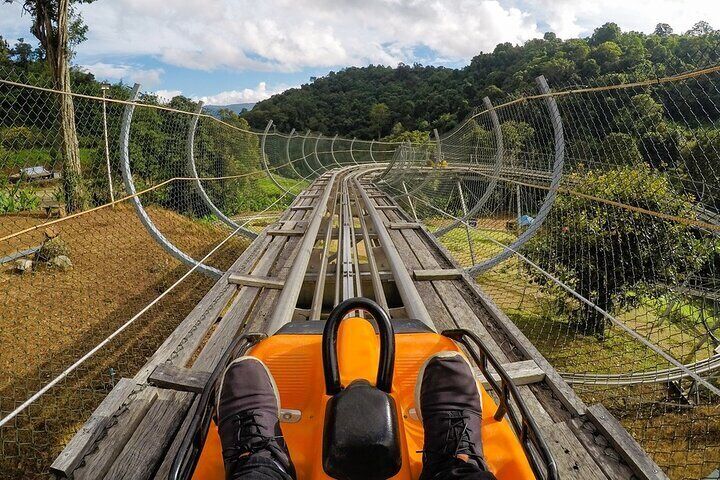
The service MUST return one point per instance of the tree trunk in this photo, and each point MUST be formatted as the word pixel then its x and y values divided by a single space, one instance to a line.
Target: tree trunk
pixel 58 58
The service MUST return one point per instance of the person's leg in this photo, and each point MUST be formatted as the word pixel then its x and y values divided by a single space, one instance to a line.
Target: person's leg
pixel 448 402
pixel 247 413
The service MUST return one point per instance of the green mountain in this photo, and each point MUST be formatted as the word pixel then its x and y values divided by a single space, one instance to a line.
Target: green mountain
pixel 368 102
pixel 235 108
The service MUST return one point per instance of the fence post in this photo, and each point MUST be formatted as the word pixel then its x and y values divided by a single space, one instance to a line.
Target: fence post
pixel 559 141
pixel 104 87
pixel 499 156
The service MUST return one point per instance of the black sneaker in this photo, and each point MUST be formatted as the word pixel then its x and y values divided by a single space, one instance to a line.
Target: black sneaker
pixel 247 411
pixel 448 402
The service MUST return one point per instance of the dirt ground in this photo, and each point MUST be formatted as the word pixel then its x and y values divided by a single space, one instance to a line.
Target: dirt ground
pixel 49 318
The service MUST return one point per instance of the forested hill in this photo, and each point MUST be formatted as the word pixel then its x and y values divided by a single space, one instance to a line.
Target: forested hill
pixel 368 102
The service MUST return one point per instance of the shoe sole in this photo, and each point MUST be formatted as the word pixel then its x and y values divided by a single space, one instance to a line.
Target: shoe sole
pixel 421 374
pixel 235 362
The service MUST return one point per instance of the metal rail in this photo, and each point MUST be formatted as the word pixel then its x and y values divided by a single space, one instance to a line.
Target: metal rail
pixel 286 302
pixel 414 306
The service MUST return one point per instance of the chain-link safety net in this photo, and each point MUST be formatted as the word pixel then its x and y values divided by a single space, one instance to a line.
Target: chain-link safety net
pixel 589 214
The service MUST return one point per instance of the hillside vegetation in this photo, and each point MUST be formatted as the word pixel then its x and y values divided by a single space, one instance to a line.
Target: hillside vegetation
pixel 367 102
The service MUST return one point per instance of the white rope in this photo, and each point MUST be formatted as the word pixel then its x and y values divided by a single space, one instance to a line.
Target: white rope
pixel 117 332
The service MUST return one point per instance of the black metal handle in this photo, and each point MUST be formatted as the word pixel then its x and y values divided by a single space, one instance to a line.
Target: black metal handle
pixel 329 343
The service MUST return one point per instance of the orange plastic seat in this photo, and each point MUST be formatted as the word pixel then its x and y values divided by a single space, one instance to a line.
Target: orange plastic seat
pixel 295 361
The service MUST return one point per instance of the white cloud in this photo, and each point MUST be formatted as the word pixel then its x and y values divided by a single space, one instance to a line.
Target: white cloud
pixel 570 18
pixel 247 95
pixel 287 35
pixel 167 94
pixel 284 35
pixel 127 73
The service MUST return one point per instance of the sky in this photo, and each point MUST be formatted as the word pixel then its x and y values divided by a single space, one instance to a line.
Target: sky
pixel 239 51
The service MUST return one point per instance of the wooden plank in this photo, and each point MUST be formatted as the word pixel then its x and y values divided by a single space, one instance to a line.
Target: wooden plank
pixel 600 449
pixel 178 378
pixel 630 450
pixel 286 233
pixel 167 463
pixel 572 459
pixel 85 439
pixel 437 274
pixel 433 304
pixel 234 319
pixel 255 281
pixel 403 226
pixel 97 464
pixel 193 328
pixel 302 207
pixel 386 207
pixel 147 446
pixel 524 372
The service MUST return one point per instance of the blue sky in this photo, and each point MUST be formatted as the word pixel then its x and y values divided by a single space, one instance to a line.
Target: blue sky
pixel 235 51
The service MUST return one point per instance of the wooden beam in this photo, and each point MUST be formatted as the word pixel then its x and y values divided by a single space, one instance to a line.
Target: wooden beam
pixel 255 281
pixel 99 462
pixel 523 372
pixel 302 207
pixel 438 274
pixel 386 207
pixel 624 444
pixel 285 233
pixel 179 378
pixel 145 449
pixel 404 226
pixel 85 439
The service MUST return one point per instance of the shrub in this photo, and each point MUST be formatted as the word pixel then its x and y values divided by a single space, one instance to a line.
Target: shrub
pixel 51 248
pixel 16 198
pixel 613 255
pixel 16 138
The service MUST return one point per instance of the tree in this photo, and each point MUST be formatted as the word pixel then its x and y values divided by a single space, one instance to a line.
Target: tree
pixel 609 32
pixel 58 29
pixel 700 28
pixel 620 149
pixel 22 53
pixel 624 256
pixel 379 117
pixel 607 53
pixel 663 30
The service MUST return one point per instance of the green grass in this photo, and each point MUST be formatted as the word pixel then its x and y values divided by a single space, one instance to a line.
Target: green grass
pixel 12 160
pixel 261 193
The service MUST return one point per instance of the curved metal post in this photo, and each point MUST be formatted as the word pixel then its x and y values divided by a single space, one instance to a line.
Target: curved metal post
pixel 265 161
pixel 287 155
pixel 198 184
pixel 559 137
pixel 317 158
pixel 372 157
pixel 352 156
pixel 137 204
pixel 332 150
pixel 499 155
pixel 390 165
pixel 438 150
pixel 304 156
